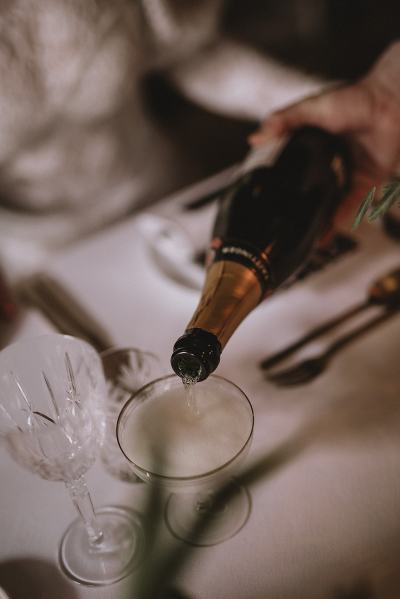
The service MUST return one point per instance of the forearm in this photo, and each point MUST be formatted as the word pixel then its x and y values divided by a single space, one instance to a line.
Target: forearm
pixel 238 81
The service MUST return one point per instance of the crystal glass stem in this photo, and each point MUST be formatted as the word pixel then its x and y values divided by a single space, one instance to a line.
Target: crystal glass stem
pixel 81 499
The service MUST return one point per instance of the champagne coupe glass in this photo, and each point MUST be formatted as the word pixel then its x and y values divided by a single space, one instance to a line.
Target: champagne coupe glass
pixel 191 439
pixel 52 395
pixel 126 369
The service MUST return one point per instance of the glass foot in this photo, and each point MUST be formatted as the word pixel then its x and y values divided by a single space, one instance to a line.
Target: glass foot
pixel 120 551
pixel 215 524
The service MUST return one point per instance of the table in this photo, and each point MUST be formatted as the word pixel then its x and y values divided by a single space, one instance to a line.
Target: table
pixel 325 523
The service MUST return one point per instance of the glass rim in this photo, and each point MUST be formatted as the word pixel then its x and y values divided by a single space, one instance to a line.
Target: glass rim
pixel 182 479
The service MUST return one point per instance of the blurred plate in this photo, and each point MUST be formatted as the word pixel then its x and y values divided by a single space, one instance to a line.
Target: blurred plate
pixel 171 250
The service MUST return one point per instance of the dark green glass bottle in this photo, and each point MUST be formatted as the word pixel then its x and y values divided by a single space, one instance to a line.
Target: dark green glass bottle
pixel 267 224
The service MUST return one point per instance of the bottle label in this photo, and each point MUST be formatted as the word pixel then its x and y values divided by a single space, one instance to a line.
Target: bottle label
pixel 242 254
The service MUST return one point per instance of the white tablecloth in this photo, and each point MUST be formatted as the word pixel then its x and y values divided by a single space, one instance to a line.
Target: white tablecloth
pixel 327 521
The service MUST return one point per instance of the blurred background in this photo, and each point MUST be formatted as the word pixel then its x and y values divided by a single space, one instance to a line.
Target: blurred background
pixel 108 107
pixel 334 38
pixel 331 39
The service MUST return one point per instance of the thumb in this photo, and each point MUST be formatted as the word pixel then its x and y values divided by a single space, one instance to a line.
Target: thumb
pixel 311 111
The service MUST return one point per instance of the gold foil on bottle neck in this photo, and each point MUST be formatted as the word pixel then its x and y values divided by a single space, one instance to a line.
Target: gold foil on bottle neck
pixel 230 292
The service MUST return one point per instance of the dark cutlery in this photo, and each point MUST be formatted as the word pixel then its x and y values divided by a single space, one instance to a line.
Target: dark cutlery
pixel 384 291
pixel 309 369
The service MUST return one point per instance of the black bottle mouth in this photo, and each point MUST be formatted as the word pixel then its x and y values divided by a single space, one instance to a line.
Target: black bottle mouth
pixel 196 355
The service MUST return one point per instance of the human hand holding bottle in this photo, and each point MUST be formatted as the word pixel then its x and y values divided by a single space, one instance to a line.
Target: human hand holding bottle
pixel 367 112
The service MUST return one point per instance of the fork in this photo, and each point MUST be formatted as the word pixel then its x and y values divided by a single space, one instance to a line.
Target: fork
pixel 307 370
pixel 384 291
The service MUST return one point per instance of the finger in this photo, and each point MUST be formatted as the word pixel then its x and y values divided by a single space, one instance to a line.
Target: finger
pixel 307 111
pixel 341 110
pixel 273 127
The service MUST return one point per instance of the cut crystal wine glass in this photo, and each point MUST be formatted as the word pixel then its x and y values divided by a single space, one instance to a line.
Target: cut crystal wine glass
pixel 52 395
pixel 191 440
pixel 126 369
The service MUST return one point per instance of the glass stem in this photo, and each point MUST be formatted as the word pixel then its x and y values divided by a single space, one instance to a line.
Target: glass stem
pixel 207 502
pixel 81 499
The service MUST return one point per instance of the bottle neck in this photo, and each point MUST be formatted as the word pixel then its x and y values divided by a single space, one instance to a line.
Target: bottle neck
pixel 230 292
pixel 195 355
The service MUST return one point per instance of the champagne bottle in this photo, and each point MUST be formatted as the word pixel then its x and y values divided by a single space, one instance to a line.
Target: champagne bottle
pixel 268 223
